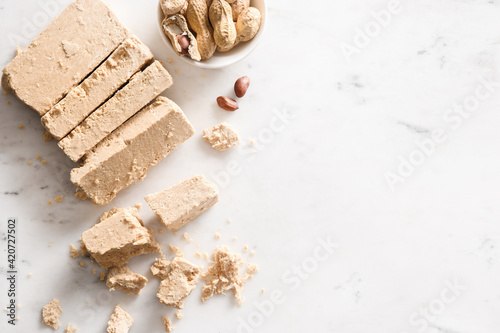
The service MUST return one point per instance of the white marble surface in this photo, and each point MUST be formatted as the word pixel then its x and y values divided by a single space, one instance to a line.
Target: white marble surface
pixel 323 175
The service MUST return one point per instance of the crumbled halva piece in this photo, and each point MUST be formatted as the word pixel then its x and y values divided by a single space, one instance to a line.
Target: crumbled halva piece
pixel 119 237
pixel 73 251
pixel 142 88
pixel 169 327
pixel 125 156
pixel 221 137
pixel 50 66
pixel 51 314
pixel 126 60
pixel 184 201
pixel 120 321
pixel 160 268
pixel 124 279
pixel 178 314
pixel 70 329
pixel 224 275
pixel 179 283
pixel 173 248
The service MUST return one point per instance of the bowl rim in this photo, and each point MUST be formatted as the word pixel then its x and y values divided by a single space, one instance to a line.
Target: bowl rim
pixel 250 47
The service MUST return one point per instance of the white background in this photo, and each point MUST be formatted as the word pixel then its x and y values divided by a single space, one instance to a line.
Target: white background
pixel 321 176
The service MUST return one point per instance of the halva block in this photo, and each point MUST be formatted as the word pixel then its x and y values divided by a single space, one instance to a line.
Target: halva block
pixel 69 49
pixel 129 58
pixel 181 203
pixel 125 156
pixel 119 236
pixel 142 88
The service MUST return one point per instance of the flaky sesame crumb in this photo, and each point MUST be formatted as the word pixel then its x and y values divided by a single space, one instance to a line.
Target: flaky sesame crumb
pixel 29 162
pixel 70 329
pixel 170 60
pixel 217 235
pixel 58 198
pixel 186 236
pixel 245 248
pixel 30 275
pixel 175 233
pixel 21 127
pixel 94 271
pixel 50 202
pixel 51 313
pixel 178 314
pixel 43 161
pixel 224 275
pixel 168 324
pixel 173 248
pixel 82 263
pixel 198 254
pixel 229 220
pixel 138 205
pixel 38 157
pixel 80 195
pixel 252 252
pixel 160 231
pixel 102 276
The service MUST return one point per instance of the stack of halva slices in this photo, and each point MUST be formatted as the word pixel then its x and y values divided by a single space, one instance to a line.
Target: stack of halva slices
pixel 96 88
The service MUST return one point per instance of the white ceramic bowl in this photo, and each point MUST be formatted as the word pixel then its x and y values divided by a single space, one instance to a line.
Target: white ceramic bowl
pixel 223 59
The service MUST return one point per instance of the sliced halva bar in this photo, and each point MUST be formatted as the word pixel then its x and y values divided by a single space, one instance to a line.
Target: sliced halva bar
pixel 181 203
pixel 119 236
pixel 70 48
pixel 129 58
pixel 137 93
pixel 125 156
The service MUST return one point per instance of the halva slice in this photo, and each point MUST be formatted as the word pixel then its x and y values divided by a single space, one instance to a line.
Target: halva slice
pixel 129 58
pixel 51 314
pixel 122 278
pixel 221 136
pixel 120 321
pixel 120 236
pixel 179 283
pixel 142 88
pixel 181 203
pixel 68 50
pixel 224 274
pixel 125 156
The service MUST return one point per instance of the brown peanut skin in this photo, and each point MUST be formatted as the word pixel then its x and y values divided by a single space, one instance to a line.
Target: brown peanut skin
pixel 241 86
pixel 184 43
pixel 227 103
